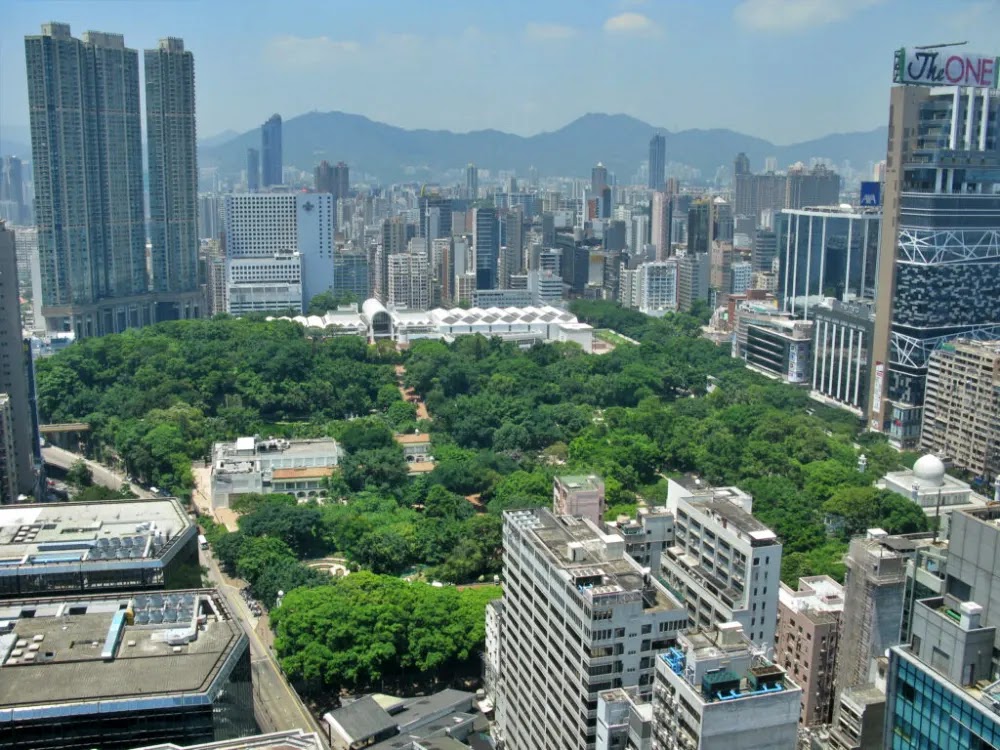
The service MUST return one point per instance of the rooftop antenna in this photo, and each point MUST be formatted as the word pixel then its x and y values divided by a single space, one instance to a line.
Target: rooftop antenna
pixel 939 46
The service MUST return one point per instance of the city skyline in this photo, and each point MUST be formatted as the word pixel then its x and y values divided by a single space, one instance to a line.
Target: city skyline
pixel 373 64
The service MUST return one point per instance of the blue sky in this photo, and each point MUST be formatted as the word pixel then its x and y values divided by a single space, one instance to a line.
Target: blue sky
pixel 785 70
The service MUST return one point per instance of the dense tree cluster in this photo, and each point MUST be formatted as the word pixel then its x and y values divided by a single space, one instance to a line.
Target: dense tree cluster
pixel 504 422
pixel 158 397
pixel 364 629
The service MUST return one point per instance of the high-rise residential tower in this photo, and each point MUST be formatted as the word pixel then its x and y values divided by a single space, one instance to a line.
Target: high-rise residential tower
pixel 253 170
pixel 323 177
pixel 270 151
pixel 173 178
pixel 341 180
pixel 20 436
pixel 657 162
pixel 939 264
pixel 86 143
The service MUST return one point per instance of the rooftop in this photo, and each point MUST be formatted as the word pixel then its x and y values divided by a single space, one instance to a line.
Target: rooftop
pixel 734 516
pixel 74 532
pixel 816 594
pixel 581 482
pixel 294 739
pixel 417 439
pixel 595 562
pixel 89 649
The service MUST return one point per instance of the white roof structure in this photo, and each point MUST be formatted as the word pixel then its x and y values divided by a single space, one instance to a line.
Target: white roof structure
pixel 521 324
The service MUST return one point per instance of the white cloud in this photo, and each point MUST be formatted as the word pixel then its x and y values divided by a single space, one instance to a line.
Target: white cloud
pixel 548 32
pixel 290 51
pixel 794 15
pixel 631 23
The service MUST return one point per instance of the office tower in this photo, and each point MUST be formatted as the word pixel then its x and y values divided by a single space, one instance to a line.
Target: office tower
pixel 818 186
pixel 692 280
pixel 763 250
pixel 350 274
pixel 962 407
pixel 826 252
pixel 471 182
pixel 599 625
pixel 86 137
pixel 772 342
pixel 657 162
pixel 208 216
pixel 173 179
pixel 808 629
pixel 323 177
pixel 16 373
pixel 842 353
pixel 486 247
pixel 716 689
pixel 199 691
pixel 660 223
pixel 741 275
pixel 939 269
pixel 393 242
pixel 409 281
pixel 511 254
pixel 741 165
pixel 12 191
pixel 253 170
pixel 598 179
pixel 699 226
pixel 271 163
pixel 720 276
pixel 545 286
pixel 721 222
pixel 715 523
pixel 435 216
pixel 940 688
pixel 442 271
pixel 268 235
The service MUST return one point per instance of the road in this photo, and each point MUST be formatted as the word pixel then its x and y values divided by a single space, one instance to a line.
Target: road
pixel 103 476
pixel 277 706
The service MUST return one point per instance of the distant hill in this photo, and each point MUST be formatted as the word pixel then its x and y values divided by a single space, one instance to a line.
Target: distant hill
pixel 219 138
pixel 619 141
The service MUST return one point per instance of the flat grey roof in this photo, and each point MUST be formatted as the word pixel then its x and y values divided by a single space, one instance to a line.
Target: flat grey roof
pixel 71 532
pixel 293 739
pixel 362 719
pixel 559 534
pixel 76 658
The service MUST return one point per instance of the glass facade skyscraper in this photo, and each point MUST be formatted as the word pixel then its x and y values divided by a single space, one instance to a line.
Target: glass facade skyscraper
pixel 86 142
pixel 826 252
pixel 270 152
pixel 939 275
pixel 657 162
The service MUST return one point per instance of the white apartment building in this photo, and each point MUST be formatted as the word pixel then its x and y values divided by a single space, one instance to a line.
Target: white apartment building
pixel 409 281
pixel 546 287
pixel 579 617
pixel 263 225
pixel 262 284
pixel 655 287
pixel 723 563
pixel 715 690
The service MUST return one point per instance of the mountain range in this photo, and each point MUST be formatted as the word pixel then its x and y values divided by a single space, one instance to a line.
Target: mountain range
pixel 620 142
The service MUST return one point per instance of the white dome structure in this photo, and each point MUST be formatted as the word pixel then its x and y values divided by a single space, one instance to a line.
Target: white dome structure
pixel 929 470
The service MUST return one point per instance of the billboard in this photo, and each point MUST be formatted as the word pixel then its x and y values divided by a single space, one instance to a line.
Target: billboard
pixel 871 194
pixel 877 388
pixel 941 67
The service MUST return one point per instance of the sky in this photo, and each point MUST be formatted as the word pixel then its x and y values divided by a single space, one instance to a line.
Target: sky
pixel 784 70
